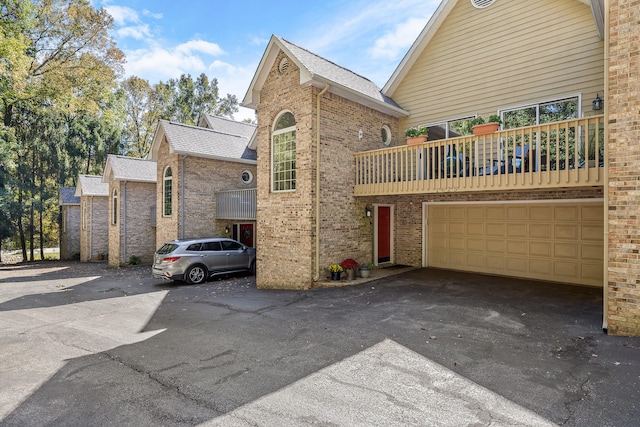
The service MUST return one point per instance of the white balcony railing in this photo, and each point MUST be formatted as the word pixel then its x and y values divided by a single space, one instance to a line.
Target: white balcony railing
pixel 569 153
pixel 236 204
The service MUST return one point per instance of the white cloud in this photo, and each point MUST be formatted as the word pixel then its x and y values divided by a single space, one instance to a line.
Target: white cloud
pixel 146 12
pixel 138 32
pixel 396 42
pixel 122 14
pixel 202 46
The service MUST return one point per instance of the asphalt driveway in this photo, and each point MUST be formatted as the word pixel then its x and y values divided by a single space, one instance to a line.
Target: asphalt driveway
pixel 81 344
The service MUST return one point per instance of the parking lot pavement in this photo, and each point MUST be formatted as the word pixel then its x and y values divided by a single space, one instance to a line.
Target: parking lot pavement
pixel 83 344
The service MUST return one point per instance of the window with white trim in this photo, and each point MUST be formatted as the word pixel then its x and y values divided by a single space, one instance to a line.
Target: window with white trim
pixel 167 189
pixel 283 154
pixel 83 214
pixel 114 207
pixel 543 112
pixel 450 128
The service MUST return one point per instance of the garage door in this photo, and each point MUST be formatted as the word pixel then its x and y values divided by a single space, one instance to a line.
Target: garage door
pixel 561 242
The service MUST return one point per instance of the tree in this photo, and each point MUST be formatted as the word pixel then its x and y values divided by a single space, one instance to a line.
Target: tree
pixel 59 68
pixel 142 113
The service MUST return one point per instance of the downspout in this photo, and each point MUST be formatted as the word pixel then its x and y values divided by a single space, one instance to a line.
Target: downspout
pixel 317 260
pixel 182 216
pixel 124 223
pixel 605 257
pixel 90 229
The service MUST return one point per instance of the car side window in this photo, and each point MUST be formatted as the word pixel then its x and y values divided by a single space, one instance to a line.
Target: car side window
pixel 211 246
pixel 229 245
pixel 193 247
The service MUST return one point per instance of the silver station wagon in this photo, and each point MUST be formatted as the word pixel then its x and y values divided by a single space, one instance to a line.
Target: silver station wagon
pixel 195 260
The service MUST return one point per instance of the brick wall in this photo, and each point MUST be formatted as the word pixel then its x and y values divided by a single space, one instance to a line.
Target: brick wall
pixel 136 200
pixel 621 103
pixel 70 235
pixel 94 239
pixel 203 178
pixel 167 227
pixel 286 221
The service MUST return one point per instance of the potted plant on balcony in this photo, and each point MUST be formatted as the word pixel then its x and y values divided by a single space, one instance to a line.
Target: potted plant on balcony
pixel 350 266
pixel 416 135
pixel 479 127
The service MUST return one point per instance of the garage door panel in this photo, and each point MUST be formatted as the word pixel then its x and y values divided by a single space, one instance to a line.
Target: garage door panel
pixel 567 250
pixel 556 241
pixel 540 249
pixel 540 231
pixel 475 245
pixel 566 231
pixel 540 267
pixel 516 247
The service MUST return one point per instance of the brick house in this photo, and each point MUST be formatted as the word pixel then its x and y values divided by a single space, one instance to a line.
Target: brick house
pixel 70 223
pixel 206 180
pixel 132 208
pixel 94 210
pixel 528 200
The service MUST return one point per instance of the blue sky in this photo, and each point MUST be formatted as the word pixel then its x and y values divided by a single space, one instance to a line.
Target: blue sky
pixel 163 39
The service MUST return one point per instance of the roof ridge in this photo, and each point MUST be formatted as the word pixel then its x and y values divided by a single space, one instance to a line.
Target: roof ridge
pixel 202 128
pixel 331 62
pixel 231 120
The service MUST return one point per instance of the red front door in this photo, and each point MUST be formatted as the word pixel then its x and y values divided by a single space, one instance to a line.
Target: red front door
pixel 384 234
pixel 246 234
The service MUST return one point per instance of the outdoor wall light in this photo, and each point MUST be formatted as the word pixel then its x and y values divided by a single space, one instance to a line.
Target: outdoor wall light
pixel 367 211
pixel 226 230
pixel 597 103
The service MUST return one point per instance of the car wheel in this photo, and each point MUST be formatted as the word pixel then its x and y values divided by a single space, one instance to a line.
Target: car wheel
pixel 252 269
pixel 196 274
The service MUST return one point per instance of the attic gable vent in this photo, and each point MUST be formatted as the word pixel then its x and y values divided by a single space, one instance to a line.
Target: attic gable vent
pixel 283 66
pixel 482 3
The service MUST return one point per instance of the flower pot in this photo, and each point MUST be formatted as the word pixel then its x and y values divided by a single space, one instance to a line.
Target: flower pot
pixel 351 274
pixel 335 275
pixel 414 140
pixel 365 272
pixel 485 128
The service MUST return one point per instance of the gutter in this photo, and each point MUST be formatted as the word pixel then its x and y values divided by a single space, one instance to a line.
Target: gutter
pixel 317 257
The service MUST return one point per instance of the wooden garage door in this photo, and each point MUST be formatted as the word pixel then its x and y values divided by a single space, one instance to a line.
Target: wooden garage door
pixel 560 242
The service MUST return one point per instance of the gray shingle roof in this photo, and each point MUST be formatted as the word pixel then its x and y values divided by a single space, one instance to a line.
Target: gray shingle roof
pixel 91 185
pixel 203 142
pixel 131 169
pixel 335 73
pixel 68 196
pixel 232 127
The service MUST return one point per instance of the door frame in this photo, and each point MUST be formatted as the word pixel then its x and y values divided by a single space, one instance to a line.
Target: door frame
pixel 392 251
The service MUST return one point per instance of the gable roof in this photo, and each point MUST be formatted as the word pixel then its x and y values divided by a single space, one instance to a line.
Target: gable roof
pixel 317 71
pixel 91 185
pixel 202 142
pixel 68 196
pixel 436 20
pixel 129 169
pixel 232 127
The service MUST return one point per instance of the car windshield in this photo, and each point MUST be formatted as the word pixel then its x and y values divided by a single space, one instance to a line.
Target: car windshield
pixel 167 248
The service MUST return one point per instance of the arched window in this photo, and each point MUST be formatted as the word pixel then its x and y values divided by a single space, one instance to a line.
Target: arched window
pixel 114 207
pixel 283 154
pixel 167 186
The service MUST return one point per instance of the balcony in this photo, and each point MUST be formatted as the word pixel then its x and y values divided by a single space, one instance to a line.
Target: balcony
pixel 236 204
pixel 565 154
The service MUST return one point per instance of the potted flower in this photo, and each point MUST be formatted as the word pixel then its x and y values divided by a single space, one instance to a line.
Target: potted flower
pixel 350 266
pixel 365 269
pixel 335 270
pixel 416 135
pixel 479 127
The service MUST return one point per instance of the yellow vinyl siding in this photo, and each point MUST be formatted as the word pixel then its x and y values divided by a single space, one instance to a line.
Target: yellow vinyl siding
pixel 560 242
pixel 509 54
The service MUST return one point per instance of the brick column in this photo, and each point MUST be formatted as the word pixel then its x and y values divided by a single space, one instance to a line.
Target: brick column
pixel 623 74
